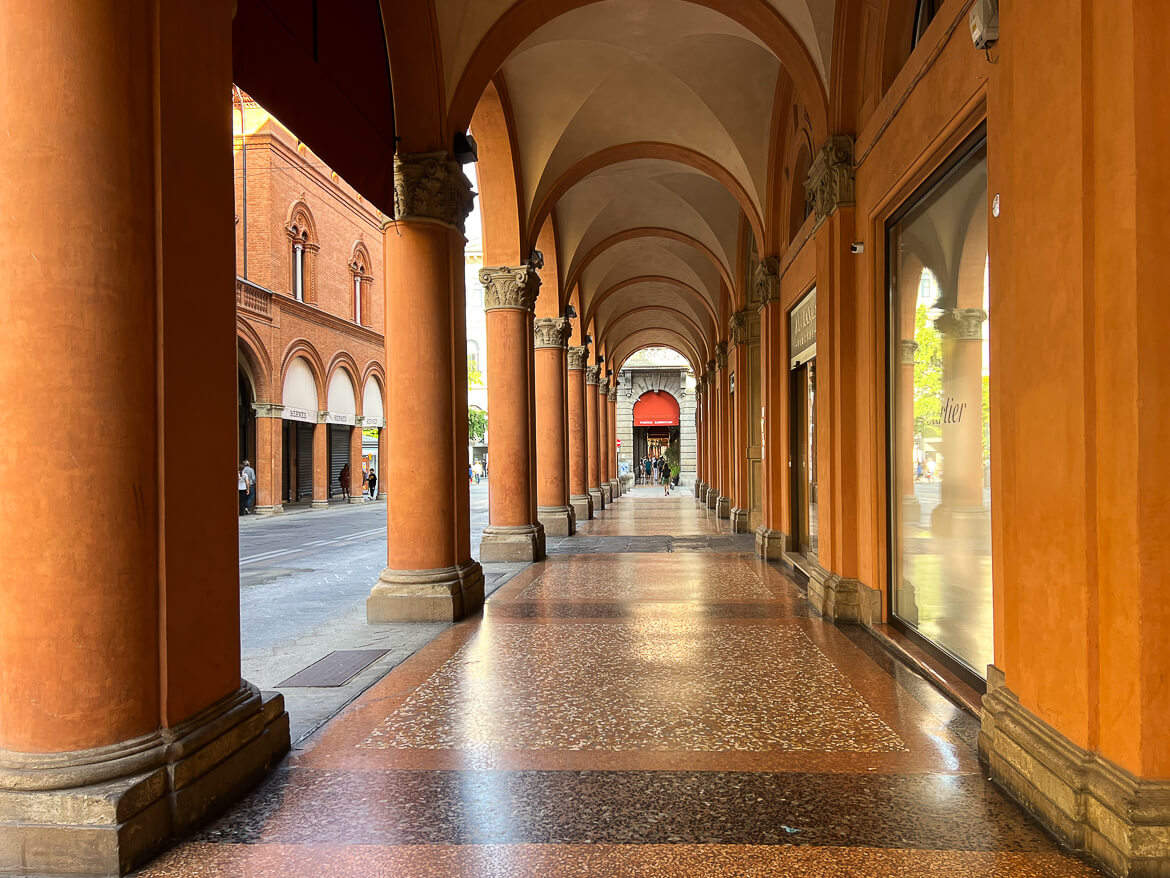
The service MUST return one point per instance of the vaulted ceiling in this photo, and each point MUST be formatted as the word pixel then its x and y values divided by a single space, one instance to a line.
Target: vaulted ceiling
pixel 644 130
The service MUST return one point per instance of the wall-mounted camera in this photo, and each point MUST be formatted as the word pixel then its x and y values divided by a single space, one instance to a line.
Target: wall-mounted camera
pixel 857 247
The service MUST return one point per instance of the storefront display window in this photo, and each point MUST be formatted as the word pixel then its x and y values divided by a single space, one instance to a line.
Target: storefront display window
pixel 940 443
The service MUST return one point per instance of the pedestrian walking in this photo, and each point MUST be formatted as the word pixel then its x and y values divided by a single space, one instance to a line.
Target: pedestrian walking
pixel 343 480
pixel 665 479
pixel 373 483
pixel 242 484
pixel 250 478
pixel 648 464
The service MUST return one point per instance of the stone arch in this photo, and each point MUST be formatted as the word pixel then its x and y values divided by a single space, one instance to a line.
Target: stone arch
pixel 302 347
pixel 251 351
pixel 501 204
pixel 344 361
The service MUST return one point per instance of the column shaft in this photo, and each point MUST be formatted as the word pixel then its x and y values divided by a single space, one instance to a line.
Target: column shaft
pixel 357 492
pixel 611 423
pixel 578 462
pixel 321 473
pixel 513 532
pixel 429 573
pixel 269 435
pixel 770 536
pixel 592 436
pixel 552 423
pixel 603 473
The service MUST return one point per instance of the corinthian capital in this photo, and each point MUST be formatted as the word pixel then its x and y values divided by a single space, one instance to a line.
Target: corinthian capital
pixel 578 357
pixel 721 355
pixel 768 281
pixel 510 287
pixel 613 395
pixel 431 185
pixel 592 374
pixel 550 332
pixel 830 180
pixel 737 327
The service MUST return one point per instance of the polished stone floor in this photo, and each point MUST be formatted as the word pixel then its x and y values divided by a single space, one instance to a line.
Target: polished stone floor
pixel 671 709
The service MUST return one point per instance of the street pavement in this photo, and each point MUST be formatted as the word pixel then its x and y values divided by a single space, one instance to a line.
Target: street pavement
pixel 304 579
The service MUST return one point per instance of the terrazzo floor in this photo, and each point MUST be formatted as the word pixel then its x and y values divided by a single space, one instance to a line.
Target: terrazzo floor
pixel 674 711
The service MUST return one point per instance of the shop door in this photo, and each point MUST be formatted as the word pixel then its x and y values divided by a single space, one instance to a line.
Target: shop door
pixel 338 456
pixel 304 460
pixel 804 458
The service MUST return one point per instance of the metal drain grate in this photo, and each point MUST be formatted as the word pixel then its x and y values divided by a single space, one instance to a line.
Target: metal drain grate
pixel 335 669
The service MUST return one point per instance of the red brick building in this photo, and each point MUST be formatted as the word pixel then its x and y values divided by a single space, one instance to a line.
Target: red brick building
pixel 309 315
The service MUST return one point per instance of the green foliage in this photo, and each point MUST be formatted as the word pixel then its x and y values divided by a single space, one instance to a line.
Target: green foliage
pixel 671 455
pixel 474 376
pixel 372 432
pixel 927 376
pixel 476 426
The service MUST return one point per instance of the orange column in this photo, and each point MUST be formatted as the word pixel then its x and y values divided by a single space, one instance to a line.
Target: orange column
pixel 712 498
pixel 513 533
pixel 321 480
pixel 429 573
pixel 741 501
pixel 357 488
pixel 593 448
pixel 770 538
pixel 269 436
pixel 611 429
pixel 579 497
pixel 119 605
pixel 723 429
pixel 699 470
pixel 603 473
pixel 552 424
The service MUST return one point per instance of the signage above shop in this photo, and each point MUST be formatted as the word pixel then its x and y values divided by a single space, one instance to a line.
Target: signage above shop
pixel 291 414
pixel 338 418
pixel 802 330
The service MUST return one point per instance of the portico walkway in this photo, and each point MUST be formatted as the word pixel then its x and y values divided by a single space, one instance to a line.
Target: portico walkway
pixel 675 711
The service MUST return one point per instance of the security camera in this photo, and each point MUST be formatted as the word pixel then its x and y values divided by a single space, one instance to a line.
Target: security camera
pixel 857 247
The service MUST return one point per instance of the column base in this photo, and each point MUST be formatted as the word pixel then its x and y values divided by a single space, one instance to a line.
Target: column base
pixel 108 810
pixel 1091 804
pixel 723 507
pixel 510 544
pixel 615 487
pixel 607 493
pixel 558 521
pixel 358 500
pixel 740 521
pixel 771 544
pixel 319 504
pixel 911 510
pixel 700 490
pixel 712 499
pixel 582 507
pixel 841 600
pixel 598 498
pixel 444 595
pixel 381 495
pixel 268 510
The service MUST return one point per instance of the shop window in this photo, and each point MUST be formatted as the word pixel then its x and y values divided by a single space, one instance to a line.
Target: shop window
pixel 940 438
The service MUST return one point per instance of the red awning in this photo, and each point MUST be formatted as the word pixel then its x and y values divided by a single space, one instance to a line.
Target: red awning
pixel 656 408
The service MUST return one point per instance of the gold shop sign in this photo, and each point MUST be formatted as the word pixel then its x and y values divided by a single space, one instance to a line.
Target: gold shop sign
pixel 802 330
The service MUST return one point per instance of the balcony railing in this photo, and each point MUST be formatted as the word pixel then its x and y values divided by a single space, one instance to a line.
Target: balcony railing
pixel 253 299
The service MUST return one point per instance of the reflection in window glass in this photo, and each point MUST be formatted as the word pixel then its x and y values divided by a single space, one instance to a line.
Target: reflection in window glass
pixel 940 437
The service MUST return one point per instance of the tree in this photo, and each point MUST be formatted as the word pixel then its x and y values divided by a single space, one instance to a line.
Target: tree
pixel 927 376
pixel 476 426
pixel 474 376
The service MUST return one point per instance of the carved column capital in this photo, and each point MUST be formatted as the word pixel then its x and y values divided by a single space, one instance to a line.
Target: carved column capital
pixel 721 355
pixel 592 374
pixel 964 324
pixel 512 287
pixel 551 332
pixel 909 349
pixel 768 281
pixel 711 371
pixel 613 394
pixel 268 410
pixel 830 179
pixel 737 327
pixel 578 357
pixel 431 185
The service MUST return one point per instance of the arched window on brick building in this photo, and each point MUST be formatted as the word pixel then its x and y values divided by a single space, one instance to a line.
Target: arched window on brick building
pixel 302 234
pixel 360 280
